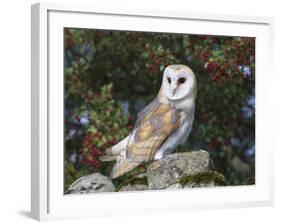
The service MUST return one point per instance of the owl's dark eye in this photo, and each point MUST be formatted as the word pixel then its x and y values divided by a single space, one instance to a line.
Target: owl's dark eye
pixel 169 80
pixel 181 80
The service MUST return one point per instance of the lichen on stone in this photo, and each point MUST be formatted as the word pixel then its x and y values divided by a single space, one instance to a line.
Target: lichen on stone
pixel 133 181
pixel 135 187
pixel 203 177
pixel 169 170
pixel 93 183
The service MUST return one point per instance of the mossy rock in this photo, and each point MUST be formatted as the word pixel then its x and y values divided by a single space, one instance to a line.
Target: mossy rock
pixel 250 181
pixel 94 183
pixel 134 183
pixel 204 179
pixel 169 170
pixel 135 187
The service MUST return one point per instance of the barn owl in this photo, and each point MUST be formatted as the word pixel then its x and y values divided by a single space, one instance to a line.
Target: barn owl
pixel 161 126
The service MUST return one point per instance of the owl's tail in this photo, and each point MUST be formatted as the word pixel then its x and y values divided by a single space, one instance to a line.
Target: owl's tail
pixel 107 158
pixel 109 155
pixel 122 167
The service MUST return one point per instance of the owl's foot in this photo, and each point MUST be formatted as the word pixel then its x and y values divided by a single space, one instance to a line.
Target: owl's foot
pixel 158 156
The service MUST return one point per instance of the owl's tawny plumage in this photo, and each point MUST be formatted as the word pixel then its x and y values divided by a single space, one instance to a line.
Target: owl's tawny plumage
pixel 161 126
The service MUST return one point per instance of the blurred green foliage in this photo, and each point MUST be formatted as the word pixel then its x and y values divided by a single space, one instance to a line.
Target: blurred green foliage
pixel 111 75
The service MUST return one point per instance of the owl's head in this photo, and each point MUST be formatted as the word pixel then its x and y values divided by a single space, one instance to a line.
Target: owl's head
pixel 178 82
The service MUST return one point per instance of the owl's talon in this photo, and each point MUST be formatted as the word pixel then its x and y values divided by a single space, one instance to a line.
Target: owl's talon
pixel 158 156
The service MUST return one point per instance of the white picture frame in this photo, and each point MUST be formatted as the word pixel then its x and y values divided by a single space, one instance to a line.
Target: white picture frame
pixel 48 201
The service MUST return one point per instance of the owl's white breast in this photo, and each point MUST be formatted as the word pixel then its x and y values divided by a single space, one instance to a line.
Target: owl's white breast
pixel 180 136
pixel 185 128
pixel 186 107
pixel 187 104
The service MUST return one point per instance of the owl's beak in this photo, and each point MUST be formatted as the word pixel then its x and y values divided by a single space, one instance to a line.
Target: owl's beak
pixel 174 91
pixel 174 87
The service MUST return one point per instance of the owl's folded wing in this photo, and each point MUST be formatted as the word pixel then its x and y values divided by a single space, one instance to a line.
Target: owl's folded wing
pixel 145 112
pixel 152 131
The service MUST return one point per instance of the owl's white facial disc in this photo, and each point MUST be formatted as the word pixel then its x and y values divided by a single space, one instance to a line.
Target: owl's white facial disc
pixel 178 82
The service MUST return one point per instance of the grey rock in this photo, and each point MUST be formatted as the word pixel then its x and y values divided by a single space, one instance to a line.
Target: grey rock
pixel 211 183
pixel 135 187
pixel 138 183
pixel 93 183
pixel 169 170
pixel 175 171
pixel 175 186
